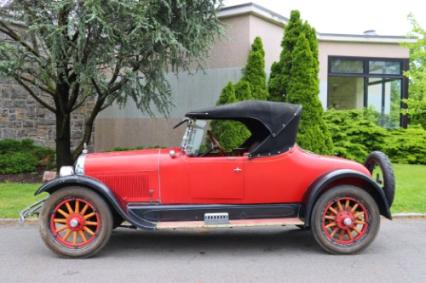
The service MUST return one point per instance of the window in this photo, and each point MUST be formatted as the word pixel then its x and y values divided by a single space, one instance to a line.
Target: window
pixel 355 83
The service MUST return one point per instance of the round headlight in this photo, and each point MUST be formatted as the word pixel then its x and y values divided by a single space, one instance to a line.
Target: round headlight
pixel 79 165
pixel 66 171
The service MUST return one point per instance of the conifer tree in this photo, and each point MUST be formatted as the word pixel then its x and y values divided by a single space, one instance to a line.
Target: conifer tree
pixel 280 71
pixel 303 88
pixel 254 71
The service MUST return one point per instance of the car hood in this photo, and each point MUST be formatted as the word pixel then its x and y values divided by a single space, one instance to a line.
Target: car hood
pixel 122 162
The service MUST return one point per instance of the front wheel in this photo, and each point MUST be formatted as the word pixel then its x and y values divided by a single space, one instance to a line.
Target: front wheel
pixel 345 220
pixel 75 222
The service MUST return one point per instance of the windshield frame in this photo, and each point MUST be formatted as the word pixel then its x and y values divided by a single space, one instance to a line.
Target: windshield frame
pixel 193 137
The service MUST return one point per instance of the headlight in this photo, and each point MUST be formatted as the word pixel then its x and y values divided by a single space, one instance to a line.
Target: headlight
pixel 66 171
pixel 79 165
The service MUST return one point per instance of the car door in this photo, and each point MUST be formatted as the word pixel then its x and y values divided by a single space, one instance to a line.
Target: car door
pixel 216 179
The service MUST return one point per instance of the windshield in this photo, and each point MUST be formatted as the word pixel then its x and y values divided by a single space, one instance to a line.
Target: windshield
pixel 193 137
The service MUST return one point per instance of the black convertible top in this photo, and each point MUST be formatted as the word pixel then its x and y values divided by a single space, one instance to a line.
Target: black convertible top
pixel 273 124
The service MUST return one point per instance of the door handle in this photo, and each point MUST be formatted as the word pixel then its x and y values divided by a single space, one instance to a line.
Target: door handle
pixel 237 170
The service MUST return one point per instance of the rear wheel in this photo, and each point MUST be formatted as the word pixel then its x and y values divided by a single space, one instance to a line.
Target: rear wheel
pixel 75 222
pixel 345 220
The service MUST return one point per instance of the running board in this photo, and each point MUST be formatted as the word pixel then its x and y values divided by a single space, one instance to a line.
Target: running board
pixel 231 224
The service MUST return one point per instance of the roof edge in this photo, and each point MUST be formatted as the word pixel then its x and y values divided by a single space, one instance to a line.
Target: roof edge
pixel 276 18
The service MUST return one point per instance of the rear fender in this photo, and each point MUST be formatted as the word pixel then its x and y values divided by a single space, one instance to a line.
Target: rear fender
pixel 93 184
pixel 342 177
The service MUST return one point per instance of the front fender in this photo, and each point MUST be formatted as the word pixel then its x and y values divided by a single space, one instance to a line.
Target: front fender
pixel 95 185
pixel 339 177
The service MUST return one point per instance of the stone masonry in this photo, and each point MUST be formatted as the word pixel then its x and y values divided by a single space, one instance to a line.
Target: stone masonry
pixel 22 117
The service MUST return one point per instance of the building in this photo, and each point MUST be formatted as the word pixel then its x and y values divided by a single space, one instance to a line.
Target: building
pixel 355 71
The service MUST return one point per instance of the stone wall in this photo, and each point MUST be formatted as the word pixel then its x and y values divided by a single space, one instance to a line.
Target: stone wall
pixel 22 117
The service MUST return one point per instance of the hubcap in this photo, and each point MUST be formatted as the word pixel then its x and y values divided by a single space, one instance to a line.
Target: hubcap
pixel 347 221
pixel 74 222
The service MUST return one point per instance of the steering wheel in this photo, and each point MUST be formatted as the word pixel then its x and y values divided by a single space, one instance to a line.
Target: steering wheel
pixel 215 143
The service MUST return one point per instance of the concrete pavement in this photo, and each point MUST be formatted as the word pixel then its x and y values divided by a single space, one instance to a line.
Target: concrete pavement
pixel 281 254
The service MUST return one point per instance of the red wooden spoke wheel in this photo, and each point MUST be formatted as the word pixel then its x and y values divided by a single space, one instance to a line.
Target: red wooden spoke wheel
pixel 75 222
pixel 345 220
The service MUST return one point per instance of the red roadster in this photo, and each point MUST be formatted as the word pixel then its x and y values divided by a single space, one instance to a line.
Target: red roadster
pixel 268 180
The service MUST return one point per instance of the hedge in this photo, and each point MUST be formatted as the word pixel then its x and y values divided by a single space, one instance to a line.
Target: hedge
pixel 355 134
pixel 22 156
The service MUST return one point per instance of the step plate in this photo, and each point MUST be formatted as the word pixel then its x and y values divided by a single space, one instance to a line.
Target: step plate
pixel 232 223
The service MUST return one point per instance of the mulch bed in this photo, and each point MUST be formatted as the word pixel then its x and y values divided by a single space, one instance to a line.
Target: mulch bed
pixel 35 177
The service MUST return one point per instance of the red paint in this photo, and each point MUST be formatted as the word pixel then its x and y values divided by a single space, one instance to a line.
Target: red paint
pixel 153 175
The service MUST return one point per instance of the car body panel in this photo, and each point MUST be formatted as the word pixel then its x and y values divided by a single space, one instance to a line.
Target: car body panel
pixel 156 176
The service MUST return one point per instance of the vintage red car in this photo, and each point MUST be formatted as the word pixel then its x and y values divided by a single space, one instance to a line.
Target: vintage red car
pixel 268 180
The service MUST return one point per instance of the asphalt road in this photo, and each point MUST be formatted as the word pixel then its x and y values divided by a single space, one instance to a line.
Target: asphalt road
pixel 230 255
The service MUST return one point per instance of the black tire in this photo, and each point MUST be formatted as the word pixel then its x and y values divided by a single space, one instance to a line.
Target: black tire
pixel 100 207
pixel 378 158
pixel 363 199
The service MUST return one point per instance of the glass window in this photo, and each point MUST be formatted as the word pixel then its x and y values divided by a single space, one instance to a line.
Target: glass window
pixel 346 92
pixel 384 96
pixel 385 67
pixel 346 66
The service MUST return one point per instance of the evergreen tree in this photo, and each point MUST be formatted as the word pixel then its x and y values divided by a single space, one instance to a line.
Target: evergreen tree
pixel 229 133
pixel 254 72
pixel 280 71
pixel 303 88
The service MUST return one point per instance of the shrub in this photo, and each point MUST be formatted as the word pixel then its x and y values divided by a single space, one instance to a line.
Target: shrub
pixel 355 134
pixel 18 162
pixel 20 156
pixel 407 145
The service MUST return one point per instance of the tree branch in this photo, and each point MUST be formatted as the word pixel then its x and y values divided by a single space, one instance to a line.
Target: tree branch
pixel 43 88
pixel 31 92
pixel 12 34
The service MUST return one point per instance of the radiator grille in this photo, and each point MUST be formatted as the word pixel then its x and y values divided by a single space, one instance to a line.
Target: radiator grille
pixel 128 188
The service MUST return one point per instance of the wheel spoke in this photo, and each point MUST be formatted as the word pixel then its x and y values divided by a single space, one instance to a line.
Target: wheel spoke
pixel 74 238
pixel 83 237
pixel 347 204
pixel 63 212
pixel 89 215
pixel 77 206
pixel 60 220
pixel 350 234
pixel 67 235
pixel 91 223
pixel 357 215
pixel 339 205
pixel 64 227
pixel 331 217
pixel 356 230
pixel 332 224
pixel 333 210
pixel 334 232
pixel 354 208
pixel 88 230
pixel 67 204
pixel 360 222
pixel 341 235
pixel 83 211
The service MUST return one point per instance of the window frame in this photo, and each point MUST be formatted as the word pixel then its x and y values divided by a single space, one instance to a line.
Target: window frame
pixel 404 65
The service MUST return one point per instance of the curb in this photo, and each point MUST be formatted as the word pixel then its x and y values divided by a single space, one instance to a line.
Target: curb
pixel 15 221
pixel 408 215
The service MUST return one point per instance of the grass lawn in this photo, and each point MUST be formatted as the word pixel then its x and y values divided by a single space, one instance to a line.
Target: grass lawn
pixel 16 196
pixel 410 192
pixel 410 188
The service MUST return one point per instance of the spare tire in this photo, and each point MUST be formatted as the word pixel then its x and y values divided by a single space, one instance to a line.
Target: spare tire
pixel 381 171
